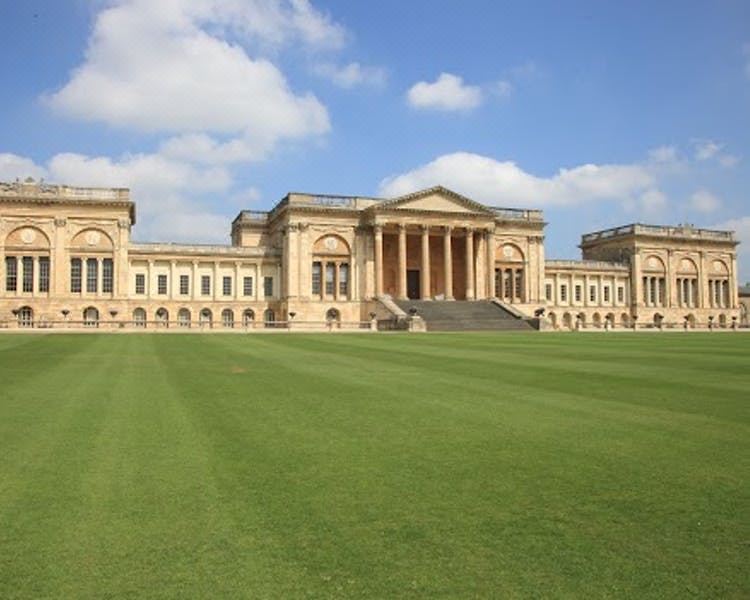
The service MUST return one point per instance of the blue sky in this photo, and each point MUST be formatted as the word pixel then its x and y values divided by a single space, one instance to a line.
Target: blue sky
pixel 600 113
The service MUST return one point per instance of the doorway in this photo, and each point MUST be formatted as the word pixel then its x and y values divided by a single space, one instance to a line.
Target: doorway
pixel 412 284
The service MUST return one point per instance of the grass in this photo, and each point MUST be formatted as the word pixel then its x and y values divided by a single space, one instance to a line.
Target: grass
pixel 383 466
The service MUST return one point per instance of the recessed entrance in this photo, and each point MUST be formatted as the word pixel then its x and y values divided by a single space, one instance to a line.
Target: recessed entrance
pixel 412 284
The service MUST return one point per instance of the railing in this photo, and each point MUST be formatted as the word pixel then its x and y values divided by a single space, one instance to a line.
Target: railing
pixel 30 188
pixel 684 231
pixel 517 214
pixel 586 264
pixel 186 326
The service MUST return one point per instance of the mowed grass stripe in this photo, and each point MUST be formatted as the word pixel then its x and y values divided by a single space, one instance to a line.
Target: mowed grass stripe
pixel 378 466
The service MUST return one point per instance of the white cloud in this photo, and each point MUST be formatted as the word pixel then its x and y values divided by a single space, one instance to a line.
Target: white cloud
pixel 505 183
pixel 353 74
pixel 704 201
pixel 448 92
pixel 663 154
pixel 14 167
pixel 502 89
pixel 160 67
pixel 741 226
pixel 652 203
pixel 710 150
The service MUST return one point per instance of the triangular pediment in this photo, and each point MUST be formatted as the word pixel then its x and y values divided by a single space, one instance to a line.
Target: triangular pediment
pixel 435 199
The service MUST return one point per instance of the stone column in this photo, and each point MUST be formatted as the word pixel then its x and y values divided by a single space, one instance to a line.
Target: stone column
pixel 448 263
pixel 378 230
pixel 215 295
pixel 470 293
pixel 556 294
pixel 733 291
pixel 173 287
pixel 35 276
pixel 491 263
pixel 425 266
pixel 691 293
pixel 237 282
pixel 99 277
pixel 402 261
pixel 586 294
pixel 149 276
pixel 336 275
pixel 195 287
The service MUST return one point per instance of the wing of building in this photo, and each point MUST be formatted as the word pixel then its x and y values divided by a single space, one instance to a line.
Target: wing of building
pixel 67 259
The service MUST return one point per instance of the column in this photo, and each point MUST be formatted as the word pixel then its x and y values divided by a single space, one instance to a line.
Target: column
pixel 470 293
pixel 402 261
pixel 448 263
pixel 336 266
pixel 657 291
pixel 35 277
pixel 378 229
pixel 425 267
pixel 257 283
pixel 194 281
pixel 556 294
pixel 502 285
pixel 99 277
pixel 711 293
pixel 173 287
pixel 491 263
pixel 586 295
pixel 237 282
pixel 216 284
pixel 648 291
pixel 691 294
pixel 149 276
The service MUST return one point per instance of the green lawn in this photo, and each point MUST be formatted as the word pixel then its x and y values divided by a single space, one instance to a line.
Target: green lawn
pixel 383 466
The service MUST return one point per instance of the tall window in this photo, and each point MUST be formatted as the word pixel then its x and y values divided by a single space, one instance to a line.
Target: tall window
pixel 247 286
pixel 161 284
pixel 140 283
pixel 578 292
pixel 316 278
pixel 621 294
pixel 592 293
pixel 11 273
pixel 606 293
pixel 519 284
pixel 76 267
pixel 344 280
pixel 92 275
pixel 184 285
pixel 548 291
pixel 330 278
pixel 44 274
pixel 28 274
pixel 205 285
pixel 108 276
pixel 508 291
pixel 268 286
pixel 226 286
pixel 563 293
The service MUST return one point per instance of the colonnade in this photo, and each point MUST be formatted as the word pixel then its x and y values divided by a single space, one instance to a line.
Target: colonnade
pixel 654 291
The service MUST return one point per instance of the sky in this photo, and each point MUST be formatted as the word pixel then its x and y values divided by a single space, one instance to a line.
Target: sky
pixel 599 113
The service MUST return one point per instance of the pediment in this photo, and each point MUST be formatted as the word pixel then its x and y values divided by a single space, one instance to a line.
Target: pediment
pixel 437 199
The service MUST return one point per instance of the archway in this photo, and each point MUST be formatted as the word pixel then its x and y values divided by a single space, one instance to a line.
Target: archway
pixel 269 318
pixel 227 318
pixel 553 320
pixel 26 317
pixel 568 320
pixel 248 318
pixel 205 317
pixel 597 320
pixel 139 317
pixel 333 318
pixel 183 317
pixel 162 317
pixel 91 317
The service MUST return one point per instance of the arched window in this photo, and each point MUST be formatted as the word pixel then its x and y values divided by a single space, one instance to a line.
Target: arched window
pixel 26 317
pixel 722 320
pixel 183 317
pixel 625 319
pixel 139 317
pixel 597 319
pixel 610 320
pixel 162 317
pixel 227 317
pixel 553 320
pixel 567 320
pixel 333 317
pixel 90 317
pixel 206 317
pixel 269 318
pixel 248 317
pixel 658 320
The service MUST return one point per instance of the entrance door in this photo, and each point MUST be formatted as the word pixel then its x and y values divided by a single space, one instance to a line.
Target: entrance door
pixel 412 284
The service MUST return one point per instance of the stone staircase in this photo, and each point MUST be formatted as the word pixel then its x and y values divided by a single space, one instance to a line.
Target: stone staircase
pixel 479 315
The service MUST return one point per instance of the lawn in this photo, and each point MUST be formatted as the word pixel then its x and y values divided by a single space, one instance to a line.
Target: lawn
pixel 382 466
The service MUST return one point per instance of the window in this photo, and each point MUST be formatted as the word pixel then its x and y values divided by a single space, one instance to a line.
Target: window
pixel 76 266
pixel 344 280
pixel 621 294
pixel 548 291
pixel 11 273
pixel 578 293
pixel 26 317
pixel 508 291
pixel 226 286
pixel 205 317
pixel 247 286
pixel 519 284
pixel 248 317
pixel 268 286
pixel 227 317
pixel 139 317
pixel 140 283
pixel 563 293
pixel 592 293
pixel 44 274
pixel 183 317
pixel 91 317
pixel 606 293
pixel 206 285
pixel 92 275
pixel 330 278
pixel 161 284
pixel 108 276
pixel 184 285
pixel 316 278
pixel 28 274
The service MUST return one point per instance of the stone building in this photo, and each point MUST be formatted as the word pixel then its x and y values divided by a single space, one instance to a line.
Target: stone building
pixel 67 260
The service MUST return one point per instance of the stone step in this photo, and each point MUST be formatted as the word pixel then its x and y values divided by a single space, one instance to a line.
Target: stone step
pixel 480 315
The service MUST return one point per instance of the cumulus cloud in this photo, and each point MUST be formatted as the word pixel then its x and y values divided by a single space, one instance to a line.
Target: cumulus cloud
pixel 352 75
pixel 502 88
pixel 161 67
pixel 741 226
pixel 705 150
pixel 503 182
pixel 448 93
pixel 704 201
pixel 14 167
pixel 663 154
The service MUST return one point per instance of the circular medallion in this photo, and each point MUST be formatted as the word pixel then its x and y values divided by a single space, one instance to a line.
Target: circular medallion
pixel 508 251
pixel 652 262
pixel 93 238
pixel 331 243
pixel 28 236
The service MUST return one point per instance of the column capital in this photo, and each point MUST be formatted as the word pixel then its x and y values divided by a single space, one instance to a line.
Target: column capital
pixel 377 227
pixel 448 229
pixel 424 228
pixel 401 226
pixel 469 230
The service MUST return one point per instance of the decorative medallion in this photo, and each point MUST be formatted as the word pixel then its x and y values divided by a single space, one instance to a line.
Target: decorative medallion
pixel 93 238
pixel 28 236
pixel 508 251
pixel 331 243
pixel 652 262
pixel 686 265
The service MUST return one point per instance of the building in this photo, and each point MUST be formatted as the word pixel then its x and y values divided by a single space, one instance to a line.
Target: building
pixel 314 261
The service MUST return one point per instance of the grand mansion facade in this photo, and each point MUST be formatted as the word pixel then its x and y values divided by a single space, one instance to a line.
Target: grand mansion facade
pixel 315 261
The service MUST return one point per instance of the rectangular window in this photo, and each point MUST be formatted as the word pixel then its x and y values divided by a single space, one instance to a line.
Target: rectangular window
pixel 344 280
pixel 621 294
pixel 184 285
pixel 92 275
pixel 548 291
pixel 606 293
pixel 11 273
pixel 316 278
pixel 592 293
pixel 140 283
pixel 508 291
pixel 578 293
pixel 161 284
pixel 205 285
pixel 247 286
pixel 28 273
pixel 226 286
pixel 330 278
pixel 44 274
pixel 108 276
pixel 519 284
pixel 563 293
pixel 268 286
pixel 76 268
